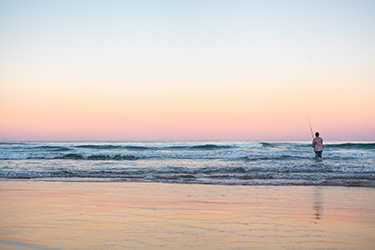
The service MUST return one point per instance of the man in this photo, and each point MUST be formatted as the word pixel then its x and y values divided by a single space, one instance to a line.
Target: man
pixel 318 145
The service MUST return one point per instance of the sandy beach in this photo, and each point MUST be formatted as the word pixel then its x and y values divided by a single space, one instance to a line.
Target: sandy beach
pixel 79 215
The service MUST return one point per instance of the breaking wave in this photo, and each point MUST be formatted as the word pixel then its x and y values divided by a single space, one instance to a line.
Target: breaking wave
pixel 223 163
pixel 309 175
pixel 370 146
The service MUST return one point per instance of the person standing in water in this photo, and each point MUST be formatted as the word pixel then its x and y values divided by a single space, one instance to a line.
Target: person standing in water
pixel 317 144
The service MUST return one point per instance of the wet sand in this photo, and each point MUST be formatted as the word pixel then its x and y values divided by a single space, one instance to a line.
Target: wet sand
pixel 92 215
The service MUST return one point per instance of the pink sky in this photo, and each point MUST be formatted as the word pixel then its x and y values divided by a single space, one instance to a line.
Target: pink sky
pixel 247 72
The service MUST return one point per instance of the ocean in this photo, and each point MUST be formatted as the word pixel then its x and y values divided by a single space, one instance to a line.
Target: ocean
pixel 191 162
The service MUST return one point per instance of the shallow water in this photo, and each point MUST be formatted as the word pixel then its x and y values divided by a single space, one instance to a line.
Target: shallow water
pixel 202 162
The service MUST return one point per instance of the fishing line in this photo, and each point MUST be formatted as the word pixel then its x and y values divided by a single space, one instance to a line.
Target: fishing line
pixel 312 134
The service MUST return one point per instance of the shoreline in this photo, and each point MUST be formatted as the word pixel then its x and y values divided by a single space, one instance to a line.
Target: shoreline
pixel 132 215
pixel 97 180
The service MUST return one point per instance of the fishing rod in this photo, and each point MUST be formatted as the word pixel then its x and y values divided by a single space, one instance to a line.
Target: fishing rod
pixel 312 134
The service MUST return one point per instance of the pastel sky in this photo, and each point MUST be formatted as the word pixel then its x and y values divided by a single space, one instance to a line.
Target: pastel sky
pixel 192 70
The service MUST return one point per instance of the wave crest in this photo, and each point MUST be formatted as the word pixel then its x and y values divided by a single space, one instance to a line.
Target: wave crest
pixel 350 145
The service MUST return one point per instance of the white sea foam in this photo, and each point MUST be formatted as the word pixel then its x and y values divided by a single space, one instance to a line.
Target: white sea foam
pixel 225 163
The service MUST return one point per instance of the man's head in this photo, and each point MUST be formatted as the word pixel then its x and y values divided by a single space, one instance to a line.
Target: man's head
pixel 317 134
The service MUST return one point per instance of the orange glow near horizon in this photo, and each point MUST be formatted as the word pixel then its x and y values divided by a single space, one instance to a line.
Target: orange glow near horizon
pixel 230 78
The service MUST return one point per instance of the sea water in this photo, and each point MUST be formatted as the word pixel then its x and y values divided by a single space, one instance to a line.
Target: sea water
pixel 191 162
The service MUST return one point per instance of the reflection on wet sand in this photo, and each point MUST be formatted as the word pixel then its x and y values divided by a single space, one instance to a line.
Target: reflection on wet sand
pixel 318 204
pixel 177 216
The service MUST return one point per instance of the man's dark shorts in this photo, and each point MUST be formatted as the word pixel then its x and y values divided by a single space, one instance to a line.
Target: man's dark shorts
pixel 318 154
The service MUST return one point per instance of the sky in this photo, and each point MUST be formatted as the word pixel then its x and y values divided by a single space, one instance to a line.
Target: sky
pixel 187 70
